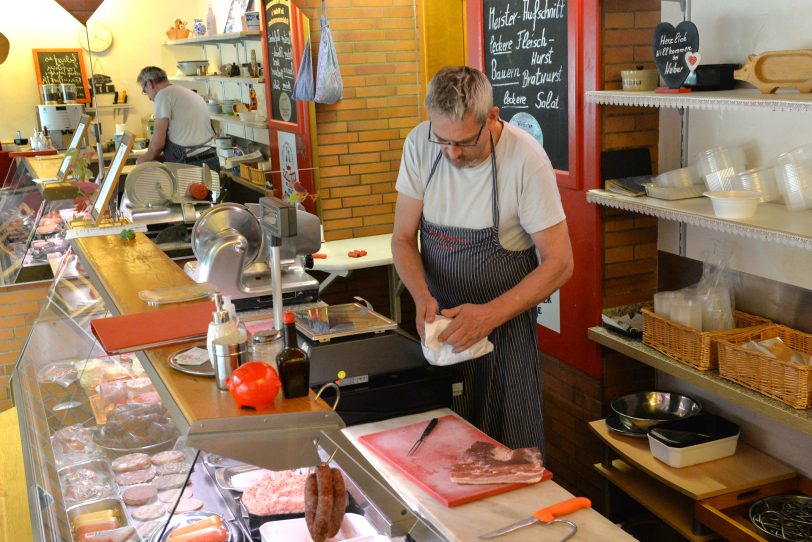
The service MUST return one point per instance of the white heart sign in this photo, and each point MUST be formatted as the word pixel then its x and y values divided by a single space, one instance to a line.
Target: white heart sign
pixel 692 60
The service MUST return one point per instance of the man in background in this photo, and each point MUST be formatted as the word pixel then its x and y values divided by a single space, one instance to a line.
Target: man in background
pixel 183 131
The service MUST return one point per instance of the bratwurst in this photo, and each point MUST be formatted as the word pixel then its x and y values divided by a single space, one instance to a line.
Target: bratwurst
pixel 325 502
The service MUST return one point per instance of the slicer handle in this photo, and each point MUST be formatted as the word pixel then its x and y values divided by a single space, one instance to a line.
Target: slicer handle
pixel 563 508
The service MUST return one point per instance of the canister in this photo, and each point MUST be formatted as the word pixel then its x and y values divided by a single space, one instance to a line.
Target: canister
pixel 68 93
pixel 265 345
pixel 229 352
pixel 50 94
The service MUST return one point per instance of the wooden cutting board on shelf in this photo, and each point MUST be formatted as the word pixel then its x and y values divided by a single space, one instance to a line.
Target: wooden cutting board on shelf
pixel 429 467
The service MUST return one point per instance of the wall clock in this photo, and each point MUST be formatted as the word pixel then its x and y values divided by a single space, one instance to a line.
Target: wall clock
pixel 98 38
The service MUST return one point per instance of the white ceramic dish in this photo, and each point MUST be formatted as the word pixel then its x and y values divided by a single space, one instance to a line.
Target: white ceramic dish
pixel 693 455
pixel 354 528
pixel 734 203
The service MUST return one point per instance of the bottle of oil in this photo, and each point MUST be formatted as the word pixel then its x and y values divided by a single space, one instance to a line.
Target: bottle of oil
pixel 293 363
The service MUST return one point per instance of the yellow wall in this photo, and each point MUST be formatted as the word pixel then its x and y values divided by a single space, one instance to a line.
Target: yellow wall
pixel 138 36
pixel 442 35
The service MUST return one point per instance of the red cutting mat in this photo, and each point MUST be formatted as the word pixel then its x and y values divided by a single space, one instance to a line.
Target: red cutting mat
pixel 429 467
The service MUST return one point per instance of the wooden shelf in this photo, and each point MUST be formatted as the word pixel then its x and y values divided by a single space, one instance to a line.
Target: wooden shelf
pixel 675 509
pixel 231 37
pixel 738 99
pixel 216 79
pixel 772 222
pixel 800 420
pixel 231 118
pixel 246 183
pixel 748 468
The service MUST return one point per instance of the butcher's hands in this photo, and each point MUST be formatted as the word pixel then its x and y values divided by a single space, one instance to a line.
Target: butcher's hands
pixel 470 323
pixel 425 311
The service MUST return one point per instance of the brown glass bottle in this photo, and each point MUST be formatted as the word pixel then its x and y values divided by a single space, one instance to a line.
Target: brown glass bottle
pixel 293 363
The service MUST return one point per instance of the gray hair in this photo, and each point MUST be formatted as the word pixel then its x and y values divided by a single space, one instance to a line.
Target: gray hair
pixel 457 90
pixel 151 73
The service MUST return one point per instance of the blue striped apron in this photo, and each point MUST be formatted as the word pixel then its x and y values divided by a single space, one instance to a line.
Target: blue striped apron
pixel 502 391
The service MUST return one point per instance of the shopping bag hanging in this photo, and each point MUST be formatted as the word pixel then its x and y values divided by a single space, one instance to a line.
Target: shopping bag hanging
pixel 303 87
pixel 329 85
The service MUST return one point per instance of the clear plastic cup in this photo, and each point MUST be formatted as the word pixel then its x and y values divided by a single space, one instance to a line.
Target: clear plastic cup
pixel 687 311
pixel 718 166
pixel 759 180
pixel 794 180
pixel 678 178
pixel 663 301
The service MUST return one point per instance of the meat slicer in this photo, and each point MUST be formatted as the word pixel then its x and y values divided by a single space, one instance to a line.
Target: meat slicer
pixel 249 252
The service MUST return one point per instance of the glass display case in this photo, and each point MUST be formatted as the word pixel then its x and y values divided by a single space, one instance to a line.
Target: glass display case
pixel 119 445
pixel 32 229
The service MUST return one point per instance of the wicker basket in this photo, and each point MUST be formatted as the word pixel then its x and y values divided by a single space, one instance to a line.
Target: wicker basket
pixel 687 345
pixel 785 381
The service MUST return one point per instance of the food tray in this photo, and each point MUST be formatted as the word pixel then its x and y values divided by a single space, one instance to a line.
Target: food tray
pixel 788 382
pixel 728 515
pixel 182 520
pixel 225 476
pixel 74 486
pixel 354 528
pixel 690 346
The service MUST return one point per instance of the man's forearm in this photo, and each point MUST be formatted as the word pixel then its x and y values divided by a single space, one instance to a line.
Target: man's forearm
pixel 409 266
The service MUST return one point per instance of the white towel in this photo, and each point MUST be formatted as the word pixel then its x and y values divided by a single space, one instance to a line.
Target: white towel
pixel 440 353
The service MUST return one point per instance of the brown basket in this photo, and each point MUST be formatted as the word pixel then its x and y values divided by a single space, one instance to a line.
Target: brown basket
pixel 245 171
pixel 785 381
pixel 258 177
pixel 688 345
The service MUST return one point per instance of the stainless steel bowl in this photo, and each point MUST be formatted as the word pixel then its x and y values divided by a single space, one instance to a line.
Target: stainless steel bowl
pixel 646 408
pixel 189 67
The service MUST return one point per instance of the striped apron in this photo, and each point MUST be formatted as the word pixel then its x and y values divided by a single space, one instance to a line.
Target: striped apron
pixel 502 391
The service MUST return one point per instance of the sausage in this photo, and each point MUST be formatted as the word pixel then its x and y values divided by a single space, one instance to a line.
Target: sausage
pixel 311 501
pixel 324 508
pixel 208 534
pixel 339 503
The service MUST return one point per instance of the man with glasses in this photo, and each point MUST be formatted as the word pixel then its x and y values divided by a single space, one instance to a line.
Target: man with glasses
pixel 183 131
pixel 493 244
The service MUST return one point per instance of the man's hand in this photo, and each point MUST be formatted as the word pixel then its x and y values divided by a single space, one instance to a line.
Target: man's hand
pixel 470 323
pixel 425 311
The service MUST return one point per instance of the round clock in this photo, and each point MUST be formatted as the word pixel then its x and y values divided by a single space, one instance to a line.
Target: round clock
pixel 97 39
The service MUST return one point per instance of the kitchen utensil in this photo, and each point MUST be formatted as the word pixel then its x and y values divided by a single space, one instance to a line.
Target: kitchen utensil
pixel 623 427
pixel 786 517
pixel 429 428
pixel 547 516
pixel 646 408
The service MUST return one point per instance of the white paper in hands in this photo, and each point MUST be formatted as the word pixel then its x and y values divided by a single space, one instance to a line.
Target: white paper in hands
pixel 440 353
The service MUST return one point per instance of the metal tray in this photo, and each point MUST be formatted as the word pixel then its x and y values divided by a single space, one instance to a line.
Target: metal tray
pixel 615 424
pixel 204 369
pixel 224 476
pixel 326 323
pixel 182 520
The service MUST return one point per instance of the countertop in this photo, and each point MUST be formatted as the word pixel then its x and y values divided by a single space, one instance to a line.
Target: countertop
pixel 468 521
pixel 12 481
pixel 378 247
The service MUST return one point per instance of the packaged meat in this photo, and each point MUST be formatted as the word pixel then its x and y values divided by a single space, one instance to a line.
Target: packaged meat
pixel 98 515
pixel 63 373
pixel 74 444
pixel 86 481
pixel 276 492
pixel 139 495
pixel 122 534
pixel 137 426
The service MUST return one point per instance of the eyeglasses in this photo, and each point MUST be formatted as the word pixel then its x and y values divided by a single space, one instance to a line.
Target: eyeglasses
pixel 144 87
pixel 456 143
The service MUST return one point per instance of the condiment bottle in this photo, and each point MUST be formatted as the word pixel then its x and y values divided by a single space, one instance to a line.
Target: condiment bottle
pixel 221 326
pixel 253 96
pixel 266 345
pixel 293 363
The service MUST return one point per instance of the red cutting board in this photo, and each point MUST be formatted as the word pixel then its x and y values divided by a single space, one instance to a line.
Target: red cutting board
pixel 429 467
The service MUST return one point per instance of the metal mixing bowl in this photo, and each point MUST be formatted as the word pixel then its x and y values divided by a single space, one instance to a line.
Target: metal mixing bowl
pixel 646 408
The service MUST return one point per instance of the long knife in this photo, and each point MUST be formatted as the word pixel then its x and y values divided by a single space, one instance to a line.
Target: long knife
pixel 543 516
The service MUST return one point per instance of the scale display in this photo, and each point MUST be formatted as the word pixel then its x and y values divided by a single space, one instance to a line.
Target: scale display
pixel 110 182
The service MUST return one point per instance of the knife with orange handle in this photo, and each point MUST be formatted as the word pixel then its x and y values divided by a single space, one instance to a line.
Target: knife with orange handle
pixel 545 516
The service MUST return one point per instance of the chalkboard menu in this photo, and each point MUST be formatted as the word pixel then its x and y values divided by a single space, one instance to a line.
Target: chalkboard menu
pixel 526 61
pixel 55 66
pixel 280 60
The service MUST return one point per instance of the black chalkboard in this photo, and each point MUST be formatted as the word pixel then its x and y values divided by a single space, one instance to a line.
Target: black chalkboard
pixel 526 61
pixel 55 66
pixel 280 60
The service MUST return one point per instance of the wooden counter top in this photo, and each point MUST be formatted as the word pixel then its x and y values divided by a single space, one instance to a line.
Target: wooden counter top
pixel 748 468
pixel 122 269
pixel 468 521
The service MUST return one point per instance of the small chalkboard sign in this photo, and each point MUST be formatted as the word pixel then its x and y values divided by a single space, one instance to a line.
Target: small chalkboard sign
pixel 673 49
pixel 280 60
pixel 526 60
pixel 56 66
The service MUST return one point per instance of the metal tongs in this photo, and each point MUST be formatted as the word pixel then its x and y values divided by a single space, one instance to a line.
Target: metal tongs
pixel 429 428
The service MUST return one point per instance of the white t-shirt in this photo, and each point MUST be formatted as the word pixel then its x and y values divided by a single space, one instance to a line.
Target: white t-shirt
pixel 529 201
pixel 188 114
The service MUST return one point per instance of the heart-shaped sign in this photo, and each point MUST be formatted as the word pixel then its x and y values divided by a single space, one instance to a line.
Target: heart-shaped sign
pixel 692 60
pixel 671 46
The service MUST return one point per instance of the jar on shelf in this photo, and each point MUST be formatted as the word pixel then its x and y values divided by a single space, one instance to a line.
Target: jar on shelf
pixel 199 29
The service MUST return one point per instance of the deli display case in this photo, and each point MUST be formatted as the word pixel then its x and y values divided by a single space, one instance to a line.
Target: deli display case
pixel 32 229
pixel 124 447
